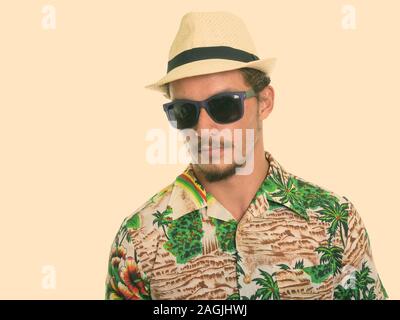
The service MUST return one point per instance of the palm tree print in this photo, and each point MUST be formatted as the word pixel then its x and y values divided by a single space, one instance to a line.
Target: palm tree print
pixel 239 271
pixel 362 281
pixel 162 220
pixel 343 294
pixel 285 191
pixel 337 215
pixel 362 289
pixel 312 195
pixel 331 255
pixel 302 241
pixel 269 287
pixel 299 264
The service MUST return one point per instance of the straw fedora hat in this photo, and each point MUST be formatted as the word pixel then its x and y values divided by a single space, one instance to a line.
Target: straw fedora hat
pixel 209 42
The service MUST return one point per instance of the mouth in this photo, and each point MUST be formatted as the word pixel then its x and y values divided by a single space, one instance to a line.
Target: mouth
pixel 211 149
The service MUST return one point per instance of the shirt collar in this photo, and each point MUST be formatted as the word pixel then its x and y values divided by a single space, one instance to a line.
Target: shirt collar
pixel 188 194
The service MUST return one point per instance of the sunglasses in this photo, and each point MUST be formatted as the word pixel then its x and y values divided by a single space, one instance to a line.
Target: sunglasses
pixel 223 108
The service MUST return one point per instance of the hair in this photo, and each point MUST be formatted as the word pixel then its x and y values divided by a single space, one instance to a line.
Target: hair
pixel 254 78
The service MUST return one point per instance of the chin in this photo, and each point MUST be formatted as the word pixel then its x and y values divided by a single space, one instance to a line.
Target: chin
pixel 217 172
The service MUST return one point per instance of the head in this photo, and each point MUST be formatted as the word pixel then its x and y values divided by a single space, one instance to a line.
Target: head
pixel 256 109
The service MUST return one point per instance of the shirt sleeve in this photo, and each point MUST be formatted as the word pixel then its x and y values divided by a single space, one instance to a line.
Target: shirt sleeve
pixel 358 279
pixel 125 277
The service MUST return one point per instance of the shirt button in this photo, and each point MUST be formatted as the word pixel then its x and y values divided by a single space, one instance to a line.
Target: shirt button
pixel 247 279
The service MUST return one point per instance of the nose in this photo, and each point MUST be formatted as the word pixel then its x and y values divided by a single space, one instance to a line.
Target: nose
pixel 205 121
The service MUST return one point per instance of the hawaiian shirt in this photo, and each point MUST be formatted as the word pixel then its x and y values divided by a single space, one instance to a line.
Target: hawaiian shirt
pixel 296 240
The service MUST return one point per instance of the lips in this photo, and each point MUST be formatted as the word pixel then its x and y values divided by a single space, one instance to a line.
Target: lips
pixel 210 149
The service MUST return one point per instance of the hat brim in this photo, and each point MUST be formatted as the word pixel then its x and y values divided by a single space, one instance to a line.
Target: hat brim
pixel 209 66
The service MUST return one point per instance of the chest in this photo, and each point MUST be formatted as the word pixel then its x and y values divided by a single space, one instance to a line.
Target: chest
pixel 259 258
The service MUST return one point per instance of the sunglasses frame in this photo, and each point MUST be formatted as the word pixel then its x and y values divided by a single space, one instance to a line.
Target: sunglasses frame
pixel 204 103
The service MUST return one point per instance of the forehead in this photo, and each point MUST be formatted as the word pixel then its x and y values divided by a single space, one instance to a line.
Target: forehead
pixel 203 86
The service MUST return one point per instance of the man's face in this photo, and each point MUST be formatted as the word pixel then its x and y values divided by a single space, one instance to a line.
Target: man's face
pixel 200 88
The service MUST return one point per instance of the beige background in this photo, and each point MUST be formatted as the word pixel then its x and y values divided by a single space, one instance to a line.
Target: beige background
pixel 74 114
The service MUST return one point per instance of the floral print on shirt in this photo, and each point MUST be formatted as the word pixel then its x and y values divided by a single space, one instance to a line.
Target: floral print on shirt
pixel 296 240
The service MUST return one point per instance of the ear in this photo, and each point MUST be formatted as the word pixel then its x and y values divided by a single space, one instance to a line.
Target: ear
pixel 266 102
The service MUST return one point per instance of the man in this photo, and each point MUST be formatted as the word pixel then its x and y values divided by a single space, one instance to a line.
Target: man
pixel 216 232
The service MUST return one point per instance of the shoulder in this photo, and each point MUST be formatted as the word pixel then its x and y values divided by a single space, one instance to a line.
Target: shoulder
pixel 312 200
pixel 308 190
pixel 141 221
pixel 305 197
pixel 139 233
pixel 336 211
pixel 318 195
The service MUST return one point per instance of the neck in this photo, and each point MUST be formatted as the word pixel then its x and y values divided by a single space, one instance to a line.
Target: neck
pixel 230 192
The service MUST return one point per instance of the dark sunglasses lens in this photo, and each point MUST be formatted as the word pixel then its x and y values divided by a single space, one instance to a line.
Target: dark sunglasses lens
pixel 226 109
pixel 184 114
